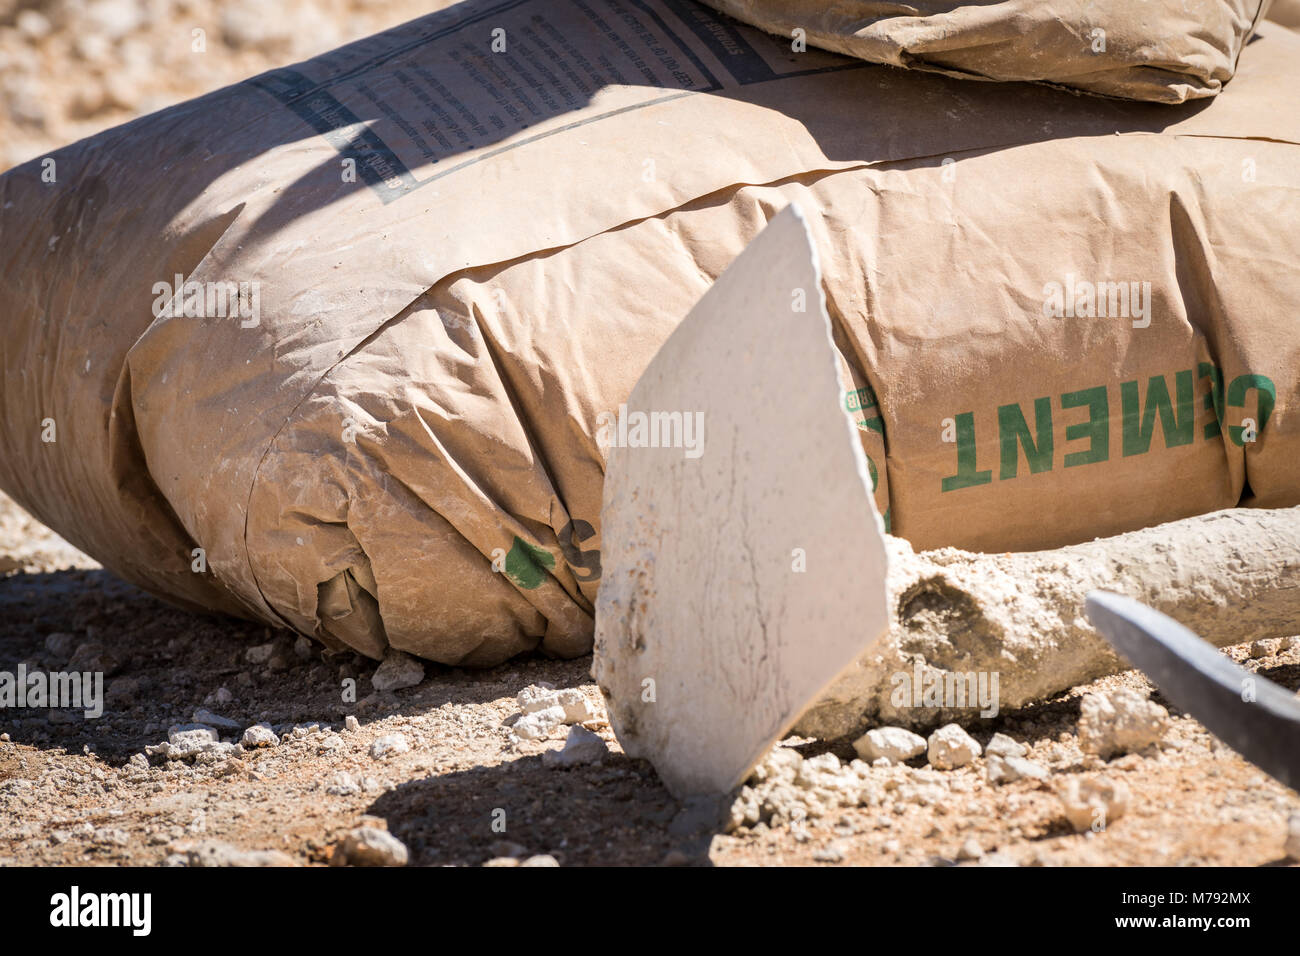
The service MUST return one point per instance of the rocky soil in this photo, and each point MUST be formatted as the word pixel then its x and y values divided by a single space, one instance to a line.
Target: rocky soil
pixel 516 765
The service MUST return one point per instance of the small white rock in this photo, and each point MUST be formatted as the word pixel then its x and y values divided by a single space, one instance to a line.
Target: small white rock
pixel 260 653
pixel 1119 722
pixel 370 846
pixel 260 735
pixel 580 747
pixel 1003 746
pixel 351 724
pixel 389 745
pixel 539 724
pixel 398 671
pixel 544 859
pixel 191 734
pixel 577 708
pixel 1093 802
pixel 536 697
pixel 1009 769
pixel 1292 845
pixel 893 743
pixel 951 747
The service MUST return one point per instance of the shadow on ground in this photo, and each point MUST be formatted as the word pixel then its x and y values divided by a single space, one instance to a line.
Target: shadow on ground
pixel 160 664
pixel 616 814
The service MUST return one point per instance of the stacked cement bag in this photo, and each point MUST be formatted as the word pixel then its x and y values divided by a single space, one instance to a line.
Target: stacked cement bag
pixel 1162 52
pixel 339 347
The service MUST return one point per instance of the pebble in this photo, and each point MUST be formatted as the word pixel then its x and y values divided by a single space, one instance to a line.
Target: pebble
pixel 60 644
pixel 970 850
pixel 1003 746
pixel 577 708
pixel 369 846
pixel 260 653
pixel 535 697
pixel 351 724
pixel 580 747
pixel 1292 845
pixel 538 724
pixel 389 745
pixel 342 785
pixel 219 697
pixel 260 735
pixel 1119 722
pixel 33 24
pixel 832 852
pixel 1010 769
pixel 186 734
pixel 894 744
pixel 1093 802
pixel 543 859
pixel 951 747
pixel 93 657
pixel 398 671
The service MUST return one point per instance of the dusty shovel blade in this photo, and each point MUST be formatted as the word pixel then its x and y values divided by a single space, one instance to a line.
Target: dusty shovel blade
pixel 740 577
pixel 1251 714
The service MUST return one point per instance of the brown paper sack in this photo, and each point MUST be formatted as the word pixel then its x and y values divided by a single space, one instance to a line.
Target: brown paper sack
pixel 1162 51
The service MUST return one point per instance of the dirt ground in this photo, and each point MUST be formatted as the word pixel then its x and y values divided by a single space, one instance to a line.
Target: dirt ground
pixel 77 791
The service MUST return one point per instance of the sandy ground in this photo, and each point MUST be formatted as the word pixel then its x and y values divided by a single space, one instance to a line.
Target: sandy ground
pixel 77 791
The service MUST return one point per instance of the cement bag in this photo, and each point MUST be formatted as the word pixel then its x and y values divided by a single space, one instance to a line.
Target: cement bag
pixel 343 347
pixel 1285 12
pixel 1164 51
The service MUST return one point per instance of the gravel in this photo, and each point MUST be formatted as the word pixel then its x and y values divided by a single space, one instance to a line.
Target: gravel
pixel 398 671
pixel 1120 722
pixel 1003 746
pixel 260 735
pixel 894 744
pixel 370 846
pixel 1093 802
pixel 580 747
pixel 1010 769
pixel 388 746
pixel 951 747
pixel 1291 847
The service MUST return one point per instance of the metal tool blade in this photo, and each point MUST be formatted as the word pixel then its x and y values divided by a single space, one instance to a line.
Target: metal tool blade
pixel 1256 717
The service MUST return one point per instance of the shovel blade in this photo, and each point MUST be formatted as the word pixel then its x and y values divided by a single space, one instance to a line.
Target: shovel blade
pixel 741 576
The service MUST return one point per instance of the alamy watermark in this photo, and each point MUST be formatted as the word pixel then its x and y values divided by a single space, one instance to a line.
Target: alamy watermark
pixel 928 687
pixel 1084 299
pixel 78 690
pixel 624 429
pixel 189 298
